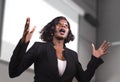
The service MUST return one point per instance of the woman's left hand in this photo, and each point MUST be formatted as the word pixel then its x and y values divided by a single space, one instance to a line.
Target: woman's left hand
pixel 102 50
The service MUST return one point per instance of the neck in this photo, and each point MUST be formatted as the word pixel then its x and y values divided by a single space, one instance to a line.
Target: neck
pixel 58 43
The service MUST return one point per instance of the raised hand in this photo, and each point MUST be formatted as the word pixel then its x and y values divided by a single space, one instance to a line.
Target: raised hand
pixel 27 34
pixel 102 50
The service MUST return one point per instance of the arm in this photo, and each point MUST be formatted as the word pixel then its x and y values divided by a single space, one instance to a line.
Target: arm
pixel 16 59
pixel 21 60
pixel 85 76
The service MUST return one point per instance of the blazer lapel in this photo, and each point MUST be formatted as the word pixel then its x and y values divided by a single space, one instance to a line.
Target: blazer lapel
pixel 70 68
pixel 66 53
pixel 52 59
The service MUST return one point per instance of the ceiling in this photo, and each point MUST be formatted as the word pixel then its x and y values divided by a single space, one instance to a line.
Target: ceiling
pixel 83 3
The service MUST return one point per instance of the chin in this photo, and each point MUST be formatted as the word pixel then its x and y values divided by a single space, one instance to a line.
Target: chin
pixel 60 38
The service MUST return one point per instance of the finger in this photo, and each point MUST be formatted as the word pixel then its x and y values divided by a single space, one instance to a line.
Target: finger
pixel 107 45
pixel 27 24
pixel 106 53
pixel 25 33
pixel 103 44
pixel 33 29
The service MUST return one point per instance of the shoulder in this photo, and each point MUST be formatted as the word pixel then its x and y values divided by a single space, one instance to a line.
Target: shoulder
pixel 72 52
pixel 39 48
pixel 73 55
pixel 39 45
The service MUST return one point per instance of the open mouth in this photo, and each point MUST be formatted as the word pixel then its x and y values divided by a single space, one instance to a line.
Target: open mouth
pixel 62 31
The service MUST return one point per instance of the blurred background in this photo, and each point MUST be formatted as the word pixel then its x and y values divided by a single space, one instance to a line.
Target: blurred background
pixel 90 20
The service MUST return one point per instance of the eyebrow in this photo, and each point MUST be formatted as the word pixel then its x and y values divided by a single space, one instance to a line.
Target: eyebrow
pixel 65 23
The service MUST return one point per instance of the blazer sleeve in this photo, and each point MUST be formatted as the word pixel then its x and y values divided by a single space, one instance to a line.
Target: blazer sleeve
pixel 86 75
pixel 21 59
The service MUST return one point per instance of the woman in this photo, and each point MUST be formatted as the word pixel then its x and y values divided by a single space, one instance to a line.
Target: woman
pixel 53 61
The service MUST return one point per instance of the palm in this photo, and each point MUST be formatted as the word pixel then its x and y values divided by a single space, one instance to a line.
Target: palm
pixel 102 50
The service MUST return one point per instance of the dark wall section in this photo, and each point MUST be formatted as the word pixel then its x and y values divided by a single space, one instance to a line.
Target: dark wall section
pixel 91 20
pixel 109 29
pixel 2 3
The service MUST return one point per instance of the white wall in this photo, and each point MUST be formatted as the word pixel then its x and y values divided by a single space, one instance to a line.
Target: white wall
pixel 109 29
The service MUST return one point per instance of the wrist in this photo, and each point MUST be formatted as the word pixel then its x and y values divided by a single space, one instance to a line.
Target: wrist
pixel 24 40
pixel 97 56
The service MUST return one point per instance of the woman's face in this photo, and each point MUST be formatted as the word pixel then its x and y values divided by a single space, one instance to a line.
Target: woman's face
pixel 61 30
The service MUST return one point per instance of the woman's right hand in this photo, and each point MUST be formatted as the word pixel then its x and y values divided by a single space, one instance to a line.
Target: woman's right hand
pixel 27 34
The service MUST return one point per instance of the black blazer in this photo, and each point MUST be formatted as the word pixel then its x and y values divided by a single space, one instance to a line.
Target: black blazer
pixel 45 63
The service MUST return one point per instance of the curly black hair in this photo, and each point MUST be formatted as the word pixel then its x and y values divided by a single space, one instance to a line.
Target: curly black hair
pixel 49 29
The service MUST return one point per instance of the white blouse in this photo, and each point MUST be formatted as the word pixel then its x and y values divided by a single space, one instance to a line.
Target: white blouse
pixel 61 66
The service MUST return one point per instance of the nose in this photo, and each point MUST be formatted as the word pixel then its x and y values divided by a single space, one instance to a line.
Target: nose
pixel 64 26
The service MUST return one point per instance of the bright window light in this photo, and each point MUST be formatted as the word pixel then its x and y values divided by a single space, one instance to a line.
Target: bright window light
pixel 16 12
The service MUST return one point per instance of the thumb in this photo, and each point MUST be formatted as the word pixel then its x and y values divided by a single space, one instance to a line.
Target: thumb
pixel 93 46
pixel 33 29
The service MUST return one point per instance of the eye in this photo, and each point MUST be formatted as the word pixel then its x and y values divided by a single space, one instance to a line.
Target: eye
pixel 66 26
pixel 62 25
pixel 59 25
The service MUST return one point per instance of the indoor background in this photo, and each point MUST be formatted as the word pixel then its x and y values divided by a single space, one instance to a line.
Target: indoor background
pixel 90 20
